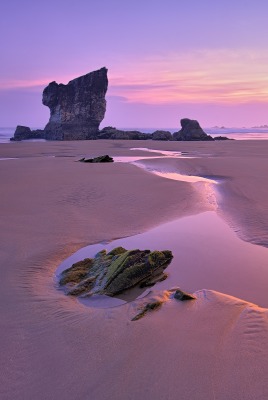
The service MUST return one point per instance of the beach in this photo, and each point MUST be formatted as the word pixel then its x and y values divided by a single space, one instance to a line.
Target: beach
pixel 51 206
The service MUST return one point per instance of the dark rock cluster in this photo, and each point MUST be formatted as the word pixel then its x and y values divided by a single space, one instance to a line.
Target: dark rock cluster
pixel 161 135
pixel 24 132
pixel 222 138
pixel 109 132
pixel 190 130
pixel 100 159
pixel 78 108
pixel 114 272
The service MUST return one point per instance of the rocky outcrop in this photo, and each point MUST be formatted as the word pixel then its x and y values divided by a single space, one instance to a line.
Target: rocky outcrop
pixel 24 133
pixel 76 109
pixel 161 135
pixel 100 159
pixel 191 130
pixel 222 138
pixel 115 272
pixel 109 132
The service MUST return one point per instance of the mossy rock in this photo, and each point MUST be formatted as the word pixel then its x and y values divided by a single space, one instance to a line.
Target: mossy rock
pixel 133 267
pixel 115 272
pixel 123 262
pixel 77 272
pixel 85 286
pixel 116 251
pixel 154 279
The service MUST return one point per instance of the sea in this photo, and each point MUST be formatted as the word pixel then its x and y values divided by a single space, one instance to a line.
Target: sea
pixel 231 133
pixel 7 133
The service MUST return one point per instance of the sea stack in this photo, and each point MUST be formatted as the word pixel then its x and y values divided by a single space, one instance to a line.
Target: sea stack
pixel 190 130
pixel 76 109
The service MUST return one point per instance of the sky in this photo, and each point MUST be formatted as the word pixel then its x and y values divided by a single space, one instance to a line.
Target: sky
pixel 166 60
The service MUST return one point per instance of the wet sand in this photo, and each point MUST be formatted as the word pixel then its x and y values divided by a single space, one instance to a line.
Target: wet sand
pixel 53 347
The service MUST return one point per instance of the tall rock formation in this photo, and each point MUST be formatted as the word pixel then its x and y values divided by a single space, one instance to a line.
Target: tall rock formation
pixel 190 130
pixel 76 109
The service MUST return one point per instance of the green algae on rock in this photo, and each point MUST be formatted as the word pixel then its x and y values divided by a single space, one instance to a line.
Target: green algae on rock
pixel 114 272
pixel 76 273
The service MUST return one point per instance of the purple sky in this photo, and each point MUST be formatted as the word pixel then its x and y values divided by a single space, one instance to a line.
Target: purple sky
pixel 202 59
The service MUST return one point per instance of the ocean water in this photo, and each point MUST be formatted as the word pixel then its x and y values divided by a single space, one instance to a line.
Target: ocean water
pixel 6 134
pixel 239 133
pixel 232 133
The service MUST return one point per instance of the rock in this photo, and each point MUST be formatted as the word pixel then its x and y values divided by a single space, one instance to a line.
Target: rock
pixel 222 138
pixel 24 133
pixel 182 296
pixel 154 305
pixel 100 159
pixel 133 267
pixel 161 135
pixel 130 135
pixel 113 273
pixel 76 109
pixel 191 130
pixel 38 134
pixel 117 251
pixel 77 272
pixel 110 132
pixel 155 299
pixel 107 132
pixel 153 280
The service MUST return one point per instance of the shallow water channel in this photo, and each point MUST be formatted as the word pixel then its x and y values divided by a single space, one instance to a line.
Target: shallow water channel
pixel 207 255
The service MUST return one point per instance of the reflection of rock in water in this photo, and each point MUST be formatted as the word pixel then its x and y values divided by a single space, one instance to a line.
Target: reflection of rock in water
pixel 112 273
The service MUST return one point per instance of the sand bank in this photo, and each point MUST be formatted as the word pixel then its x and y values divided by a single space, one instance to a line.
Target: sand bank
pixel 54 347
